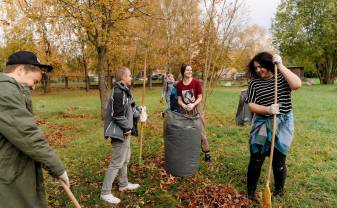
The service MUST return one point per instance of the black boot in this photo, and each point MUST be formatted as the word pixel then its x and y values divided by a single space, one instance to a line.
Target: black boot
pixel 254 170
pixel 207 157
pixel 251 193
pixel 280 174
pixel 280 179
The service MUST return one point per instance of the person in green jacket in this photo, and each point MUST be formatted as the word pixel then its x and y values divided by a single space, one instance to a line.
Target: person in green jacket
pixel 23 148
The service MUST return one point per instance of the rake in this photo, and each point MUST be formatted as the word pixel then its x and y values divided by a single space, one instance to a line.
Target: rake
pixel 266 193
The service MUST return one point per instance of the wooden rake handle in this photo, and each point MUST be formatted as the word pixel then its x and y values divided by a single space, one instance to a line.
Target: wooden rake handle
pixel 274 128
pixel 70 194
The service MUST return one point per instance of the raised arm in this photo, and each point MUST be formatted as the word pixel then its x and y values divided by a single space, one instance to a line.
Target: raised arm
pixel 293 80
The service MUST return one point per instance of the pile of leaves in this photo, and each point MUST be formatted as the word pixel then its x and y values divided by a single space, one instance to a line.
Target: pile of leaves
pixel 214 196
pixel 199 193
pixel 55 134
pixel 69 114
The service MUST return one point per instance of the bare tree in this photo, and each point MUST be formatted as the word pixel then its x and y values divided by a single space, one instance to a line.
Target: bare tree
pixel 220 22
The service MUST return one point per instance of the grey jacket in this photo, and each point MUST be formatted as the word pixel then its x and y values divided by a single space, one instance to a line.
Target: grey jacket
pixel 119 114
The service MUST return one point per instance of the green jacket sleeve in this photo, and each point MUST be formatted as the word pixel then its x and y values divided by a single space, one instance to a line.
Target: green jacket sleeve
pixel 18 126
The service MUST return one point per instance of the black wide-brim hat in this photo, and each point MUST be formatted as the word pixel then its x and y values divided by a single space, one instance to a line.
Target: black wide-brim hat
pixel 27 57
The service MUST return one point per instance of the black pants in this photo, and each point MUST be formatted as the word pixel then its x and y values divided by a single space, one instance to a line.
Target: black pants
pixel 254 170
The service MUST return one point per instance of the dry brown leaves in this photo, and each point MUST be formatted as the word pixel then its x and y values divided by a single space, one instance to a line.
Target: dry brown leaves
pixel 216 196
pixel 218 119
pixel 67 115
pixel 205 194
pixel 104 165
pixel 56 133
pixel 72 116
pixel 157 172
pixel 72 108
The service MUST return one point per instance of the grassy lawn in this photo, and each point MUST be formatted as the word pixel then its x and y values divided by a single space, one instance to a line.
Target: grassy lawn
pixel 72 122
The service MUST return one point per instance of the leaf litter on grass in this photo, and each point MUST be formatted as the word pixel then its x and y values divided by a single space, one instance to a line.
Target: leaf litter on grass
pixel 215 196
pixel 56 133
pixel 72 116
pixel 195 192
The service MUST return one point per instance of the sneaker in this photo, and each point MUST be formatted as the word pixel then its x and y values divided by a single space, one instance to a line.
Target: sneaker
pixel 129 187
pixel 110 199
pixel 207 157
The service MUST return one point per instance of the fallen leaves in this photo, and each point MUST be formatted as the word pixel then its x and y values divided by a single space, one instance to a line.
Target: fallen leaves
pixel 72 116
pixel 217 196
pixel 56 133
pixel 166 181
pixel 196 191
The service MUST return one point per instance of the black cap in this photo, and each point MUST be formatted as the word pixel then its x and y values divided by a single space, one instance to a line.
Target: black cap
pixel 26 57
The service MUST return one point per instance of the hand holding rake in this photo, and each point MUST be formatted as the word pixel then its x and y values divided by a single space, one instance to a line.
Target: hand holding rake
pixel 267 194
pixel 70 194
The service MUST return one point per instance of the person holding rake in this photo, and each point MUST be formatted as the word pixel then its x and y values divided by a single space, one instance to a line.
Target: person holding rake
pixel 118 124
pixel 260 101
pixel 23 148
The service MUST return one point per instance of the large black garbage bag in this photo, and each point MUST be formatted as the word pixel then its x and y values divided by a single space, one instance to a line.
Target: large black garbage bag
pixel 243 114
pixel 182 143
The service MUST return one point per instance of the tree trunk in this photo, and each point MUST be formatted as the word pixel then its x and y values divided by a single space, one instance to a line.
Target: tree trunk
pixel 86 77
pixel 149 80
pixel 47 51
pixel 66 82
pixel 45 82
pixel 109 81
pixel 87 82
pixel 325 75
pixel 101 52
pixel 327 80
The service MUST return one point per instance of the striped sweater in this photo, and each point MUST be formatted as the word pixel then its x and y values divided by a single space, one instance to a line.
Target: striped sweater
pixel 261 92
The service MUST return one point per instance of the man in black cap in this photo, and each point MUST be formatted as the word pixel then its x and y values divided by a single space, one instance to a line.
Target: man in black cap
pixel 23 148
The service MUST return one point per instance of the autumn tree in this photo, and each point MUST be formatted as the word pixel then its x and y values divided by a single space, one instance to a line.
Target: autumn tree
pixel 220 20
pixel 306 31
pixel 181 31
pixel 248 41
pixel 33 25
pixel 16 34
pixel 99 19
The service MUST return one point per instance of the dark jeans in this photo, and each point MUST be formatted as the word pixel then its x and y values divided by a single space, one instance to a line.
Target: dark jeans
pixel 254 170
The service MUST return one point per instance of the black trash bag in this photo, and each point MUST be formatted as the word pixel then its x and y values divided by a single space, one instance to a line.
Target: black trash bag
pixel 182 143
pixel 243 114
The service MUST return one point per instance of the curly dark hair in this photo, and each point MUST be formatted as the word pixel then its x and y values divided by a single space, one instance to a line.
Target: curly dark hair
pixel 265 59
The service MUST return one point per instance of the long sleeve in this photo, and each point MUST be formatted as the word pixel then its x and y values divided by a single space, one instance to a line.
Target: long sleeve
pixel 165 88
pixel 18 126
pixel 251 97
pixel 119 111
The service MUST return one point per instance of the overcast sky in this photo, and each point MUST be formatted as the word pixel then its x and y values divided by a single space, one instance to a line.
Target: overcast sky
pixel 261 12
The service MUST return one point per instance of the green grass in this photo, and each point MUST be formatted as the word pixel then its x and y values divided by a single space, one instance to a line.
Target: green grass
pixel 312 160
